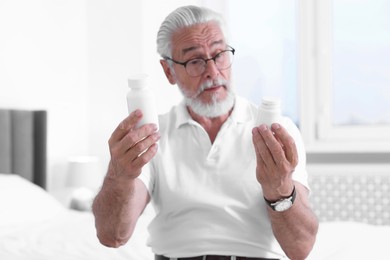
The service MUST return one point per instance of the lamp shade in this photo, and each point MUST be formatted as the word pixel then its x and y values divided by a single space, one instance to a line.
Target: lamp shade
pixel 84 171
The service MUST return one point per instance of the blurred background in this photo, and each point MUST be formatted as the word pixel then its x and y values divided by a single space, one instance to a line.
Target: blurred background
pixel 329 62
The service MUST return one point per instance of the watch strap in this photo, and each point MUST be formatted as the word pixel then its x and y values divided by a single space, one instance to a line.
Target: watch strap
pixel 291 198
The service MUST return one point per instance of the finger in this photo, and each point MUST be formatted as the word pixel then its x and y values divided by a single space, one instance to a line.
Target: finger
pixel 133 168
pixel 146 156
pixel 135 158
pixel 126 125
pixel 256 139
pixel 261 146
pixel 287 142
pixel 273 145
pixel 142 145
pixel 137 137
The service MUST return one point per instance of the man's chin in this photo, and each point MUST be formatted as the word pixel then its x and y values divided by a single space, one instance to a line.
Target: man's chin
pixel 212 109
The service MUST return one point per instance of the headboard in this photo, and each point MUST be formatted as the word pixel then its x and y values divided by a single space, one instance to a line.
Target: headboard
pixel 23 135
pixel 351 192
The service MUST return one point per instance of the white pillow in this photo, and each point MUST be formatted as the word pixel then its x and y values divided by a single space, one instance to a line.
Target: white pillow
pixel 351 240
pixel 22 201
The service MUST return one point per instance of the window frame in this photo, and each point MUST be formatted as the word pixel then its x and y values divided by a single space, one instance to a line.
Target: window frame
pixel 315 88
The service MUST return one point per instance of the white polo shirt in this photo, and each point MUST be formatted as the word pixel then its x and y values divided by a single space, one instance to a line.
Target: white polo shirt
pixel 206 196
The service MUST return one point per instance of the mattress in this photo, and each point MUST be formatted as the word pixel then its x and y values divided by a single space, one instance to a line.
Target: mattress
pixel 35 226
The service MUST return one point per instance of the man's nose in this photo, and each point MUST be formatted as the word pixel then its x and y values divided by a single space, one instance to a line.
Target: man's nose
pixel 211 68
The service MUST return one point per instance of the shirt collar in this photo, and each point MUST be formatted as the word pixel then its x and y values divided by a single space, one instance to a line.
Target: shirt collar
pixel 183 116
pixel 239 113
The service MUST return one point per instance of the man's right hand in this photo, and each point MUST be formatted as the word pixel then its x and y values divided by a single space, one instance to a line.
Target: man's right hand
pixel 131 148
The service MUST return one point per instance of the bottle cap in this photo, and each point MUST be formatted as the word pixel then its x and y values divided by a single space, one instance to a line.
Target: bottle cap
pixel 138 81
pixel 270 102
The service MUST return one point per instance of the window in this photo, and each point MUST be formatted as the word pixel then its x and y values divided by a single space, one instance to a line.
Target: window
pixel 361 63
pixel 264 35
pixel 344 79
pixel 328 60
pixel 265 39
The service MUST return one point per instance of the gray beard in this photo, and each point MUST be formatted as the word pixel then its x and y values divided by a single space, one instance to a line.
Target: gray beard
pixel 215 108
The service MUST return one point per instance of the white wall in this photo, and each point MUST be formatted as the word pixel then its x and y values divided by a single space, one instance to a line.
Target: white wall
pixel 73 58
pixel 122 42
pixel 43 65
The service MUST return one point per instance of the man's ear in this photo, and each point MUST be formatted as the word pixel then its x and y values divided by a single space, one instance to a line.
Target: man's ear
pixel 168 72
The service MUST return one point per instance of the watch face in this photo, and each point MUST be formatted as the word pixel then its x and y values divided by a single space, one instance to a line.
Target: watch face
pixel 283 205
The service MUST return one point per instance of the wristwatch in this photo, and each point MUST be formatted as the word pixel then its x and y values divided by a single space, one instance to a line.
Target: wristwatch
pixel 284 203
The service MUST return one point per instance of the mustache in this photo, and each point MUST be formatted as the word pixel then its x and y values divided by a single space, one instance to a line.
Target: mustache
pixel 210 83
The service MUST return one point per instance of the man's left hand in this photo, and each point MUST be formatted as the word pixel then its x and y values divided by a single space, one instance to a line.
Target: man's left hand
pixel 277 157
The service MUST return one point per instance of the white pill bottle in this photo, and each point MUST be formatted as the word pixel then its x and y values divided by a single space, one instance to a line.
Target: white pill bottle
pixel 141 97
pixel 269 111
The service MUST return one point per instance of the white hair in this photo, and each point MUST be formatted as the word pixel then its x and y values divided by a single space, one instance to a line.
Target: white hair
pixel 182 17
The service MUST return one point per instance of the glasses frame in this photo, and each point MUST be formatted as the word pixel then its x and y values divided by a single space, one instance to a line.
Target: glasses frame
pixel 232 50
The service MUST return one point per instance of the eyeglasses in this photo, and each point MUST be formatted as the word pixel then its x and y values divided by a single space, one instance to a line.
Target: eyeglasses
pixel 195 67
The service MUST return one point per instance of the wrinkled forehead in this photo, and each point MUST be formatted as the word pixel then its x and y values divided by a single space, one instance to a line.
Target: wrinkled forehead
pixel 197 37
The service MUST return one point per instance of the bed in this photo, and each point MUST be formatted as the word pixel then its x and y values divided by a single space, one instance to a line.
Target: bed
pixel 352 203
pixel 33 224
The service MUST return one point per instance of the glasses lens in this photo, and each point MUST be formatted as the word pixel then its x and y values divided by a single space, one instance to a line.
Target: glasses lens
pixel 195 67
pixel 224 60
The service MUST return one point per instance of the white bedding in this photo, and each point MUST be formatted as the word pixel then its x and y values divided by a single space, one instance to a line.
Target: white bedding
pixel 70 235
pixel 34 226
pixel 351 241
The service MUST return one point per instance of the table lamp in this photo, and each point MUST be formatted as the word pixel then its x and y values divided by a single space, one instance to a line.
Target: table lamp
pixel 84 176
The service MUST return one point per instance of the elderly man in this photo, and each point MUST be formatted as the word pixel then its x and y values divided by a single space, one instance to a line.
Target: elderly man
pixel 222 186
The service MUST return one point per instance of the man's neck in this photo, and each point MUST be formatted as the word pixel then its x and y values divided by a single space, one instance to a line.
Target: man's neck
pixel 212 125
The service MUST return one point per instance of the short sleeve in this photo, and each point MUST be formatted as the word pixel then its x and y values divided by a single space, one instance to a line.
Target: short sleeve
pixel 300 173
pixel 146 177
